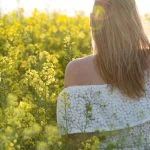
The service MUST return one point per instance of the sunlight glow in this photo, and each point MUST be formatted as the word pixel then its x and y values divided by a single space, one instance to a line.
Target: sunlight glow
pixel 68 6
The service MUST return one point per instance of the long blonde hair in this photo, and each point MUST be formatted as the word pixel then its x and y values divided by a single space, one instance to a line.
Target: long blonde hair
pixel 121 47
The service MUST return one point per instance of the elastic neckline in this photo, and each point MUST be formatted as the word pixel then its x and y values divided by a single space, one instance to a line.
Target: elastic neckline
pixel 86 86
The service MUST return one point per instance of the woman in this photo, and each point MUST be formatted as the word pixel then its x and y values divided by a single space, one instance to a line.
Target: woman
pixel 109 91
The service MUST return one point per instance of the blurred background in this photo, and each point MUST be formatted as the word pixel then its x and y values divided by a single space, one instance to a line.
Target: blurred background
pixel 38 38
pixel 68 6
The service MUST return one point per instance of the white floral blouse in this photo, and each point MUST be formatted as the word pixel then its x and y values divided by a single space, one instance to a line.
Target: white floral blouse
pixel 91 108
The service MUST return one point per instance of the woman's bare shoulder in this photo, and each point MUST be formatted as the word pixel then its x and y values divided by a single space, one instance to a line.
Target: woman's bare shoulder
pixel 76 70
pixel 83 60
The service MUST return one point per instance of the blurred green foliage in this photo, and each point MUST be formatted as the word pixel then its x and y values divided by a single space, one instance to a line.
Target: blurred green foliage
pixel 34 52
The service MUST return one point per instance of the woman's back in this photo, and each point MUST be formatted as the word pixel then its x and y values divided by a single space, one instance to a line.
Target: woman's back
pixel 109 91
pixel 86 108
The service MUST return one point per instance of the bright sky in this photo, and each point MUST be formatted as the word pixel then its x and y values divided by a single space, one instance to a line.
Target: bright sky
pixel 69 6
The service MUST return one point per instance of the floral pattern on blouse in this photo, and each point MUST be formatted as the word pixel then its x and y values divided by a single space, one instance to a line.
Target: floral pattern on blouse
pixel 90 108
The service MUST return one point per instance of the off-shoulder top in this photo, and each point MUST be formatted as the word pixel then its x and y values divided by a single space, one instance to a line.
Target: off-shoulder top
pixel 90 108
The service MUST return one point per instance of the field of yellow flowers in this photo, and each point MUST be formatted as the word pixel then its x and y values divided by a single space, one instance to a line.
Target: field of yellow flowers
pixel 34 52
